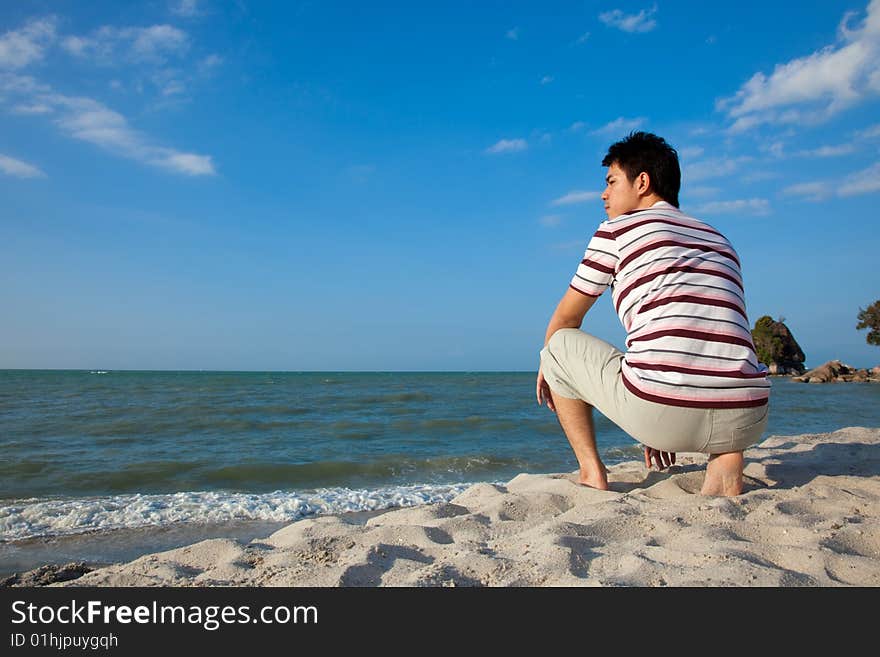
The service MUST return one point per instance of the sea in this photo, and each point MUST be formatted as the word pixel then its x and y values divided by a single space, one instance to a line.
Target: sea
pixel 102 465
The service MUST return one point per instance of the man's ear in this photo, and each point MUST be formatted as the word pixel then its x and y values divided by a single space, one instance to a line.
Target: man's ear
pixel 643 183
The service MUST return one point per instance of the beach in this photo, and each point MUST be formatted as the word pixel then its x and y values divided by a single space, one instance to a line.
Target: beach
pixel 809 516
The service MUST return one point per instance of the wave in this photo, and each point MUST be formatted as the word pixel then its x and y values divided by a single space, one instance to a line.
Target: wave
pixel 36 518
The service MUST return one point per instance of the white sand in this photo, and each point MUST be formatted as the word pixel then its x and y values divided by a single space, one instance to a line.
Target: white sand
pixel 809 516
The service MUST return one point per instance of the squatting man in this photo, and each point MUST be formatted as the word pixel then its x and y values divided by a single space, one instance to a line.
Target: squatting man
pixel 690 380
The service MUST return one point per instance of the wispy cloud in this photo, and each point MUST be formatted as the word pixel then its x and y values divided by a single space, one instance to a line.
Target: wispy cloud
pixel 869 132
pixel 827 151
pixel 813 88
pixel 19 48
pixel 582 38
pixel 576 196
pixel 547 79
pixel 512 33
pixel 619 126
pixel 110 45
pixel 713 168
pixel 551 220
pixel 186 8
pixel 508 146
pixel 13 167
pixel 759 176
pixel 641 22
pixel 866 181
pixel 31 108
pixel 209 64
pixel 811 191
pixel 691 151
pixel 91 121
pixel 758 206
pixel 701 191
pixel 577 126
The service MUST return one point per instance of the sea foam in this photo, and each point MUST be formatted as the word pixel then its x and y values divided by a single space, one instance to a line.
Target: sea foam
pixel 33 518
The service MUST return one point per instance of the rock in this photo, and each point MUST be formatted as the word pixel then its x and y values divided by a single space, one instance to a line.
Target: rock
pixel 777 348
pixel 836 372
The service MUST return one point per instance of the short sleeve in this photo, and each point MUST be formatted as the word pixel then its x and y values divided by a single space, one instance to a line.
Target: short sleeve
pixel 596 270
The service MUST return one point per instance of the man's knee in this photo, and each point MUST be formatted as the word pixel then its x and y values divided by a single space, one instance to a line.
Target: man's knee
pixel 556 343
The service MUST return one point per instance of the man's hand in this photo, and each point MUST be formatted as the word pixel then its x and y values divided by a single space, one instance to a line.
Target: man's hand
pixel 662 459
pixel 542 390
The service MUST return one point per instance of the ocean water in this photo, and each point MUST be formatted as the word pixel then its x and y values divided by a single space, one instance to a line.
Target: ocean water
pixel 82 451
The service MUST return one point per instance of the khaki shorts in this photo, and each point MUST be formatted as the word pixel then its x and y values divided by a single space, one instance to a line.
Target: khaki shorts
pixel 579 366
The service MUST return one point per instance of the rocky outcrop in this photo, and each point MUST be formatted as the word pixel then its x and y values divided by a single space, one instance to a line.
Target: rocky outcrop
pixel 836 372
pixel 777 348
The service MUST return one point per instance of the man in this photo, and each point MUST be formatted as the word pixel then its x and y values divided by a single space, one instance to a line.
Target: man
pixel 690 379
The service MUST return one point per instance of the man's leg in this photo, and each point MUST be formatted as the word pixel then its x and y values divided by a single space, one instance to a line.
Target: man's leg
pixel 724 475
pixel 576 418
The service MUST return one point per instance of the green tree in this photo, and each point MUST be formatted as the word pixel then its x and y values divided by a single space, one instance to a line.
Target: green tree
pixel 870 319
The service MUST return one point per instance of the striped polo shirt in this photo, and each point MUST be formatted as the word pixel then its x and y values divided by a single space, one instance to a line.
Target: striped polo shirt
pixel 677 288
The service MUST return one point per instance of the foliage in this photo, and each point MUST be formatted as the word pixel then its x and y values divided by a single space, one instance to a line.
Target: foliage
pixel 768 345
pixel 870 319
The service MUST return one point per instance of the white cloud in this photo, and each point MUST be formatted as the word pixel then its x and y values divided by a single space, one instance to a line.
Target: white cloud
pixel 869 132
pixel 811 191
pixel 12 167
pixel 187 8
pixel 209 64
pixel 508 146
pixel 713 168
pixel 702 191
pixel 188 163
pixel 641 22
pixel 110 45
pixel 828 151
pixel 862 182
pixel 758 176
pixel 813 88
pixel 743 206
pixel 691 151
pixel 19 48
pixel 88 120
pixel 583 38
pixel 513 34
pixel 32 108
pixel 547 79
pixel 551 219
pixel 577 126
pixel 619 126
pixel 577 196
pixel 866 181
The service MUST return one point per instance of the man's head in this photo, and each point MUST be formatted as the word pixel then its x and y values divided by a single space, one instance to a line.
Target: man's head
pixel 642 169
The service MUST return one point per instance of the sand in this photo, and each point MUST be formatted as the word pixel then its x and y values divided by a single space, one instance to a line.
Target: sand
pixel 809 516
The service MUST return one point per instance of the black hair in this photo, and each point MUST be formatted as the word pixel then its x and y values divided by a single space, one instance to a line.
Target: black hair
pixel 643 151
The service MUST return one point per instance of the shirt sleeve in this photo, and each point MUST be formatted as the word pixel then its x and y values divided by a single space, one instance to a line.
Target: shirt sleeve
pixel 596 270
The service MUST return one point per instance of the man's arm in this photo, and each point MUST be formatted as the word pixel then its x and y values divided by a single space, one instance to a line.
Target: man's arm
pixel 569 312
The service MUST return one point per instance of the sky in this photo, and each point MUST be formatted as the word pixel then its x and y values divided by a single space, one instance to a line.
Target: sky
pixel 295 186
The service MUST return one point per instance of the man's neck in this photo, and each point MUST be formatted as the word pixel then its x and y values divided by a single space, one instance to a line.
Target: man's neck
pixel 647 201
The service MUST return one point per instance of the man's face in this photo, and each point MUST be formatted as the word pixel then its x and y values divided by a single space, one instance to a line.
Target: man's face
pixel 620 194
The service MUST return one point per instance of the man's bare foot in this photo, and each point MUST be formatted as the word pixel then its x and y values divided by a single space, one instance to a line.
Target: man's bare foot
pixel 724 475
pixel 594 478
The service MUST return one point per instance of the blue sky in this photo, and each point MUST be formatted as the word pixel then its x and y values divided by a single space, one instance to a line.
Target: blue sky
pixel 410 186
